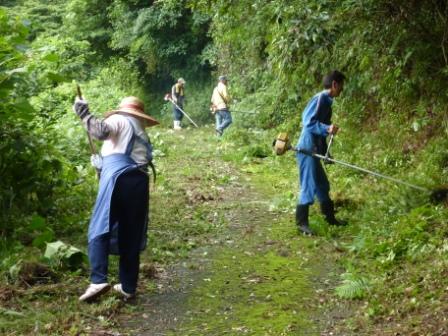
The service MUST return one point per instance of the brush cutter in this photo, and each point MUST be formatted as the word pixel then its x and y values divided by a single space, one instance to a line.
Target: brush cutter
pixel 282 145
pixel 169 98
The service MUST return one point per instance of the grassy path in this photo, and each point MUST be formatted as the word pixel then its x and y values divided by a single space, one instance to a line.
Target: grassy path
pixel 243 268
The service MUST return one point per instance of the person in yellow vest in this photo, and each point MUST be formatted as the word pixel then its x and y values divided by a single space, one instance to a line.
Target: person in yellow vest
pixel 220 105
pixel 178 96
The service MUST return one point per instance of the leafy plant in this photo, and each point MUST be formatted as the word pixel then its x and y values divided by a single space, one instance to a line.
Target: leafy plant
pixel 44 234
pixel 62 255
pixel 353 287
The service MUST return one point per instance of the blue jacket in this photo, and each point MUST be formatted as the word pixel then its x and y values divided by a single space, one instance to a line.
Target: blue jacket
pixel 316 118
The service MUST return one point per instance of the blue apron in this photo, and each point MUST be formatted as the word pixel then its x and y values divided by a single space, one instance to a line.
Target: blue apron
pixel 113 166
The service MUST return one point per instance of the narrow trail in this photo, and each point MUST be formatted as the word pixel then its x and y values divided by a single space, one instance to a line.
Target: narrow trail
pixel 252 275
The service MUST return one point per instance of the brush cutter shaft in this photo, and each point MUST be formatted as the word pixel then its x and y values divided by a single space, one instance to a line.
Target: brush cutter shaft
pixel 188 117
pixel 249 112
pixel 78 91
pixel 360 169
pixel 91 144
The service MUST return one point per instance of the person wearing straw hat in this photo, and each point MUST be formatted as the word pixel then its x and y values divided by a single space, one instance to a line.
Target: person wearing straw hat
pixel 178 96
pixel 220 106
pixel 120 216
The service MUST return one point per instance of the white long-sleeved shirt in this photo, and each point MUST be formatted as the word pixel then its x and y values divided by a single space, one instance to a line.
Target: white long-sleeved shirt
pixel 120 135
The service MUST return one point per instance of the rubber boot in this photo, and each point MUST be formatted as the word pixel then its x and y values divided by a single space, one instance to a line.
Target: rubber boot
pixel 177 126
pixel 302 211
pixel 327 208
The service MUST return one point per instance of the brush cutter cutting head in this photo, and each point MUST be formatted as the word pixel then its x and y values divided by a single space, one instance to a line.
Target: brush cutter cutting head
pixel 281 144
pixel 440 195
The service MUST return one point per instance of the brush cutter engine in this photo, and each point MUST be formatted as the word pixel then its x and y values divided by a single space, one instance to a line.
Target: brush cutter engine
pixel 281 144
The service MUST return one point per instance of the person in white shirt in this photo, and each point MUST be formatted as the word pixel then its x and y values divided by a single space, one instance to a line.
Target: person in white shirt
pixel 220 105
pixel 120 217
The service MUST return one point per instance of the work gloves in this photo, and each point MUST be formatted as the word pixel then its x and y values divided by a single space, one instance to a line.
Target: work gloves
pixel 81 108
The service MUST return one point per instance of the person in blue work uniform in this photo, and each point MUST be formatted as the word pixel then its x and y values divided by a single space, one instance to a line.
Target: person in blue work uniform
pixel 316 126
pixel 120 217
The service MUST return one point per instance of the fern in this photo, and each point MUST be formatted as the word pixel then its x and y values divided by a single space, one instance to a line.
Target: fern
pixel 353 287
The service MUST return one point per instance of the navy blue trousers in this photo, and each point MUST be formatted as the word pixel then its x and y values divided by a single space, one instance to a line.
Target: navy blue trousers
pixel 129 208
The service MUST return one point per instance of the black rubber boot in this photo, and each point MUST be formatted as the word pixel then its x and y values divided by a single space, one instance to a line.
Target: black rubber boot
pixel 328 211
pixel 302 211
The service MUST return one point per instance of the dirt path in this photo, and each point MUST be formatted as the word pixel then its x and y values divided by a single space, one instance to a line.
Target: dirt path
pixel 252 275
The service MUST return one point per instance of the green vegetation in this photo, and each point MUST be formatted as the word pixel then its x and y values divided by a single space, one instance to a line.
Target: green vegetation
pixel 390 263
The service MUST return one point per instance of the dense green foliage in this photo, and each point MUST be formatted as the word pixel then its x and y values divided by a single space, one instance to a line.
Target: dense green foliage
pixel 393 112
pixel 100 46
pixel 394 53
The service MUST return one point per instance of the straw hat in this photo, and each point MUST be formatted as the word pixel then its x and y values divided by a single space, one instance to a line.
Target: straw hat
pixel 135 107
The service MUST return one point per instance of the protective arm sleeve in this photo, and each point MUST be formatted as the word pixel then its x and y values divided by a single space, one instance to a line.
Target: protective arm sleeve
pixel 314 125
pixel 96 127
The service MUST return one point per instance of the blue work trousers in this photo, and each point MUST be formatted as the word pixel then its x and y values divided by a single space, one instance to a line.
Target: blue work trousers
pixel 129 208
pixel 313 180
pixel 223 120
